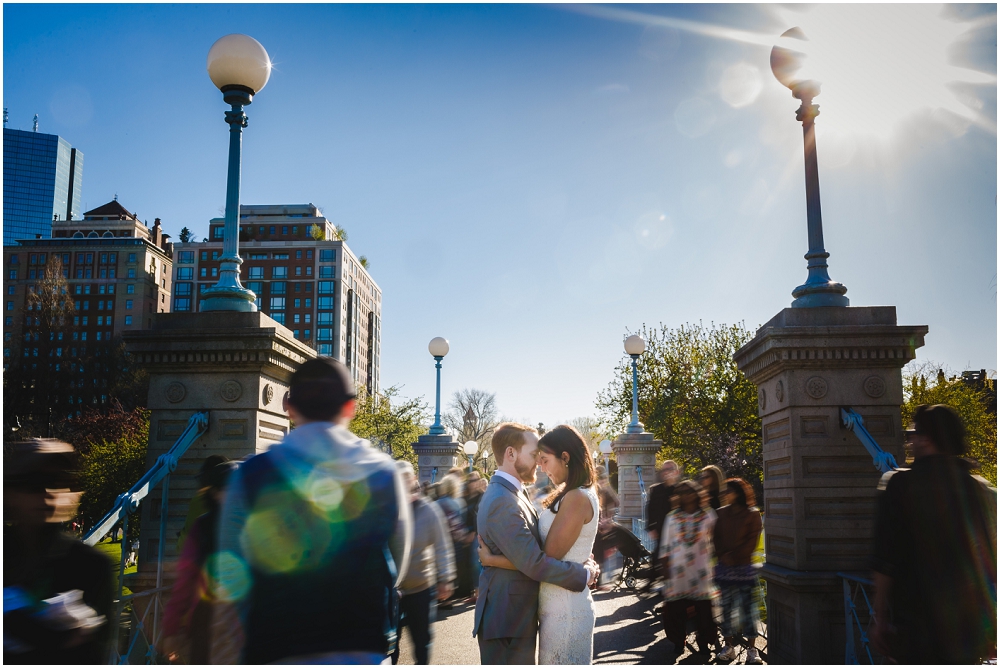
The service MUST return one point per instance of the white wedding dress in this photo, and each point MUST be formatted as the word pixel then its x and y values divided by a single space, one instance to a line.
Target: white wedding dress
pixel 566 618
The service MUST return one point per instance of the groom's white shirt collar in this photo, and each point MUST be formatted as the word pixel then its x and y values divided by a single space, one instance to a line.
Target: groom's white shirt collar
pixel 509 478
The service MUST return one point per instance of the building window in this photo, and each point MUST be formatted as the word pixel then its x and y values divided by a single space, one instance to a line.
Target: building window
pixel 182 304
pixel 298 255
pixel 309 254
pixel 215 272
pixel 185 257
pixel 130 289
pixel 298 271
pixel 295 333
pixel 111 289
pixel 309 303
pixel 279 272
pixel 324 318
pixel 128 304
pixel 256 272
pixel 10 306
pixel 322 303
pixel 255 287
pixel 284 229
pixel 185 273
pixel 204 255
pixel 218 232
pixel 308 317
pixel 182 289
pixel 215 255
pixel 308 335
pixel 204 272
pixel 326 255
pixel 277 303
pixel 131 257
pixel 309 271
pixel 281 256
pixel 295 318
pixel 326 287
pixel 100 320
pixel 128 320
pixel 273 230
pixel 278 287
pixel 258 256
pixel 324 334
pixel 12 275
pixel 131 273
pixel 325 349
pixel 278 318
pixel 327 272
pixel 85 318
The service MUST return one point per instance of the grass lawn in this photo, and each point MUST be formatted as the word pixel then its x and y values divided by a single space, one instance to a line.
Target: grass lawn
pixel 113 551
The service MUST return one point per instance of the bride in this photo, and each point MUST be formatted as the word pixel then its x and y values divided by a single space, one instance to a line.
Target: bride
pixel 568 526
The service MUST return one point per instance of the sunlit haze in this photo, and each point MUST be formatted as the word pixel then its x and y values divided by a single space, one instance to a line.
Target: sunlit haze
pixel 535 182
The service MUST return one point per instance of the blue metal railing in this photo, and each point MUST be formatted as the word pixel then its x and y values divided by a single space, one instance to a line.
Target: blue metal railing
pixel 859 617
pixel 126 505
pixel 882 460
pixel 639 525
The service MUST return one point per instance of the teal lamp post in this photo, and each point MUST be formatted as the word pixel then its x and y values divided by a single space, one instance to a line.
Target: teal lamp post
pixel 240 67
pixel 635 345
pixel 788 64
pixel 438 348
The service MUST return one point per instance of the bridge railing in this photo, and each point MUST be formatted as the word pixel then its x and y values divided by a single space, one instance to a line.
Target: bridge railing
pixel 859 619
pixel 882 460
pixel 144 625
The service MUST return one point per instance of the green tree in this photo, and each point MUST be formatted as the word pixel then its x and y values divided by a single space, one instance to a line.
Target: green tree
pixel 389 419
pixel 114 458
pixel 339 233
pixel 693 398
pixel 924 384
pixel 317 233
pixel 363 261
pixel 185 235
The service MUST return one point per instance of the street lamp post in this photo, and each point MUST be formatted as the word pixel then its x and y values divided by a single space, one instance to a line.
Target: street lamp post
pixel 635 346
pixel 819 289
pixel 240 67
pixel 606 451
pixel 471 448
pixel 438 348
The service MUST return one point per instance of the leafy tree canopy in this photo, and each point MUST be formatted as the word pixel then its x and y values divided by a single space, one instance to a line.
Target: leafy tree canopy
pixel 389 419
pixel 693 398
pixel 926 384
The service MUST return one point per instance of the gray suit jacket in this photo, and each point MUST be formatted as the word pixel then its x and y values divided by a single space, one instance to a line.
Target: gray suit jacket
pixel 507 606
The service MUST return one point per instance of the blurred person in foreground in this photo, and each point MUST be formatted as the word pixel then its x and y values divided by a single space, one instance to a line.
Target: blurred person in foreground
pixel 604 544
pixel 474 489
pixel 432 568
pixel 934 555
pixel 686 555
pixel 736 533
pixel 314 537
pixel 57 591
pixel 187 619
pixel 660 504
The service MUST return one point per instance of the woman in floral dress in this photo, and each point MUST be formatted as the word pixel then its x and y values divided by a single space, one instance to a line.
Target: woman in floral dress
pixel 686 557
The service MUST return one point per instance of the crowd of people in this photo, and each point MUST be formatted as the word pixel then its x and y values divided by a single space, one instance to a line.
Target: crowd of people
pixel 323 549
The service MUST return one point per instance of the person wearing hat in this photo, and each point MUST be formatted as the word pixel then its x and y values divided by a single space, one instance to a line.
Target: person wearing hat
pixel 315 536
pixel 187 619
pixel 57 591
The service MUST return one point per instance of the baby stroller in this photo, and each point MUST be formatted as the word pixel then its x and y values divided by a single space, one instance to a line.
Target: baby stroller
pixel 637 562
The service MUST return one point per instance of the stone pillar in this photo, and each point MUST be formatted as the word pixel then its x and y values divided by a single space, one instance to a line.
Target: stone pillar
pixel 631 451
pixel 819 481
pixel 236 366
pixel 437 452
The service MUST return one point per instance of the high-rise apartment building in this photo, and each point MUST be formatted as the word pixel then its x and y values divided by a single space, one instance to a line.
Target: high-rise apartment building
pixel 303 277
pixel 42 183
pixel 118 273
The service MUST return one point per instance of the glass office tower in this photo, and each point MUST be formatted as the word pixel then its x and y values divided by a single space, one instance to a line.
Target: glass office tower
pixel 42 179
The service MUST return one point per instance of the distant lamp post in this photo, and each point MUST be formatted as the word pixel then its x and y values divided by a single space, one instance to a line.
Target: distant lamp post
pixel 787 65
pixel 635 345
pixel 240 67
pixel 471 448
pixel 606 451
pixel 438 348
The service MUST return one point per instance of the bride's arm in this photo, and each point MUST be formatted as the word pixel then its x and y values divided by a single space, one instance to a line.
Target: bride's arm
pixel 495 560
pixel 575 510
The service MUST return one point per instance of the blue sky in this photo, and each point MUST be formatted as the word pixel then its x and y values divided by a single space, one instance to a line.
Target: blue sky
pixel 533 181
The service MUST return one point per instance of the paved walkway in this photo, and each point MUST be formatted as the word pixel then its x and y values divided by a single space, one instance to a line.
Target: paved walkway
pixel 627 632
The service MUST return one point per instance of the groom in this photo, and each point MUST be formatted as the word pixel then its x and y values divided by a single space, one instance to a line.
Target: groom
pixel 507 607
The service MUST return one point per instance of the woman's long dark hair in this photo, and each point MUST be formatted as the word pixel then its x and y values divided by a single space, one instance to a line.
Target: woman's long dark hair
pixel 565 438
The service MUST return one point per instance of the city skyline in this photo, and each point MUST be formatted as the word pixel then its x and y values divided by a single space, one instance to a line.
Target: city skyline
pixel 533 182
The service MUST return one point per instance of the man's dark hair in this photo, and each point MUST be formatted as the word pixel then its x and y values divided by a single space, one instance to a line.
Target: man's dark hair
pixel 942 425
pixel 320 388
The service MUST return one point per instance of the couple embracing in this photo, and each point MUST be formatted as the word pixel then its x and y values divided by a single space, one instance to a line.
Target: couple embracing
pixel 537 566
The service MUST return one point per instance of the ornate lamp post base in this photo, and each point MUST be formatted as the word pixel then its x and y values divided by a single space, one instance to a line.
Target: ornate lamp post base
pixel 229 298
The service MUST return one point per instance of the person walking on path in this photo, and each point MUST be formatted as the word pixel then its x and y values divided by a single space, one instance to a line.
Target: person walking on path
pixel 57 591
pixel 432 569
pixel 474 489
pixel 506 621
pixel 187 619
pixel 711 478
pixel 686 555
pixel 934 555
pixel 736 533
pixel 451 506
pixel 315 536
pixel 660 504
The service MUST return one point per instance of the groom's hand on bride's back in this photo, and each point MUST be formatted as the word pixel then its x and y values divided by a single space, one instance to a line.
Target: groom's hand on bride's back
pixel 593 571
